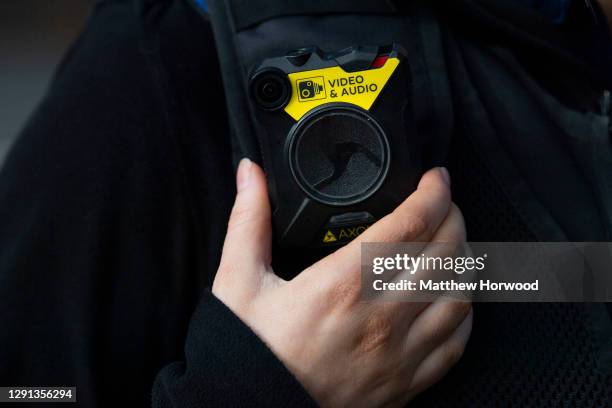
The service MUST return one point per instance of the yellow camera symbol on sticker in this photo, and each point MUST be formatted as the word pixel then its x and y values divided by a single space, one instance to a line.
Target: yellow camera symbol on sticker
pixel 311 89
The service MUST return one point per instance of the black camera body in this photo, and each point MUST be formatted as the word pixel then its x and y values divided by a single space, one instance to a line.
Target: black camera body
pixel 338 140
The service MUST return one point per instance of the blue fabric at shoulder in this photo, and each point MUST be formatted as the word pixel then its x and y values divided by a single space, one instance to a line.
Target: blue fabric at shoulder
pixel 202 4
pixel 555 10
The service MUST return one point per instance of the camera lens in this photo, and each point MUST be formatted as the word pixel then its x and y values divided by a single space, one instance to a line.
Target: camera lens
pixel 270 89
pixel 338 155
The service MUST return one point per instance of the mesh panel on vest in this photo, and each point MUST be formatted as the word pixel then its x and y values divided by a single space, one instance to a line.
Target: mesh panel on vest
pixel 519 355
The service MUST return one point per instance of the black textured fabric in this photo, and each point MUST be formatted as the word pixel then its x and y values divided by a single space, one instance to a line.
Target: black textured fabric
pixel 250 12
pixel 114 201
pixel 488 210
pixel 226 366
pixel 519 355
pixel 523 355
pixel 113 207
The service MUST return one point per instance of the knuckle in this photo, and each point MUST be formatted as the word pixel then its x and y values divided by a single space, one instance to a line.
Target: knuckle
pixel 455 313
pixel 459 310
pixel 440 192
pixel 345 291
pixel 223 272
pixel 456 211
pixel 242 215
pixel 413 225
pixel 437 326
pixel 453 352
pixel 222 283
pixel 377 331
pixel 448 319
pixel 458 233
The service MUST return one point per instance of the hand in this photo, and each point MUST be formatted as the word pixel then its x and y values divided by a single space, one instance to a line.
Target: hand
pixel 345 352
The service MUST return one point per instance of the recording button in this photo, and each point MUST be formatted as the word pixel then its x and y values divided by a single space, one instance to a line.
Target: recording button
pixel 351 219
pixel 300 56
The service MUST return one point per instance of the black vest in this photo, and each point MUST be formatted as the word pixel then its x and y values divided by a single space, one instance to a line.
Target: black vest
pixel 506 100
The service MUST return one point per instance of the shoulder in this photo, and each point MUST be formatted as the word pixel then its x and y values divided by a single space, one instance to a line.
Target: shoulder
pixel 116 108
pixel 115 94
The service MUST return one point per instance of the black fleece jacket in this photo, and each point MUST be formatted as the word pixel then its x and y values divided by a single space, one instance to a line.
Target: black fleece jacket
pixel 113 209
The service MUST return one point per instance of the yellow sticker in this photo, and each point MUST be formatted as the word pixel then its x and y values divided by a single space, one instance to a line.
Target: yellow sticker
pixel 319 87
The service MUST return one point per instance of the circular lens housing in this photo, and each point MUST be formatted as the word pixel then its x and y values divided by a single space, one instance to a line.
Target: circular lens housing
pixel 339 155
pixel 270 89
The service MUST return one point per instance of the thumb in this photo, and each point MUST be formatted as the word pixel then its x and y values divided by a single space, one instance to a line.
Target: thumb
pixel 249 233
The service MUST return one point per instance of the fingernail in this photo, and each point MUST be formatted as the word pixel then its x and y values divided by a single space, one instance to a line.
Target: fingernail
pixel 243 174
pixel 445 175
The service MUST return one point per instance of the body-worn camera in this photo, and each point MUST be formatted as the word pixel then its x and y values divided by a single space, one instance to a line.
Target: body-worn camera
pixel 337 140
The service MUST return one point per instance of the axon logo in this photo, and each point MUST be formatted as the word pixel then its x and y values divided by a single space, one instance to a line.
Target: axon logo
pixel 343 234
